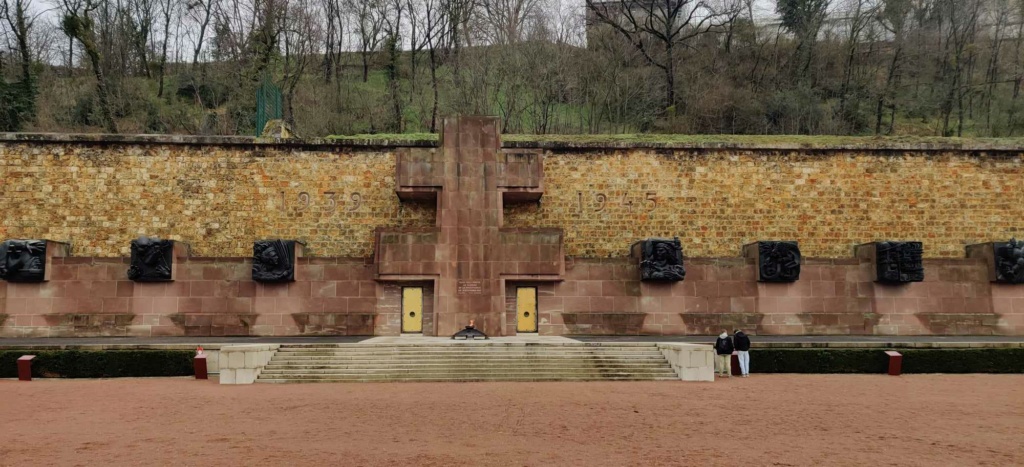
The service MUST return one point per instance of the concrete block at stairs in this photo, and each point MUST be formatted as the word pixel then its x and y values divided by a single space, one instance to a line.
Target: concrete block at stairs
pixel 242 364
pixel 245 376
pixel 691 362
pixel 236 360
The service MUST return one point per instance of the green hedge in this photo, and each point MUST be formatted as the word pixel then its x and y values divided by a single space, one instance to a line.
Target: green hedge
pixel 100 363
pixel 1003 360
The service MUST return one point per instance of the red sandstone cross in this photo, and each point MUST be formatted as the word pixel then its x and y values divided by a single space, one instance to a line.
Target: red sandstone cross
pixel 468 255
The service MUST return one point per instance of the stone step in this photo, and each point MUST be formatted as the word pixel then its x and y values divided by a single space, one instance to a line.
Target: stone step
pixel 470 365
pixel 471 376
pixel 475 358
pixel 471 362
pixel 477 344
pixel 459 348
pixel 477 371
pixel 458 380
pixel 472 349
pixel 449 354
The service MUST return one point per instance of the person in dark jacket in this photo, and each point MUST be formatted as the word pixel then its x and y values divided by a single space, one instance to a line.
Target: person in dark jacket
pixel 723 357
pixel 742 343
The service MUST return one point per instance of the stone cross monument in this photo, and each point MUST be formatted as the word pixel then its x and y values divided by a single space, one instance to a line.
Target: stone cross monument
pixel 468 256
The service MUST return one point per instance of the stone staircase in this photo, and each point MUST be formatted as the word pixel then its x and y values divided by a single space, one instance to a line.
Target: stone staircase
pixel 468 361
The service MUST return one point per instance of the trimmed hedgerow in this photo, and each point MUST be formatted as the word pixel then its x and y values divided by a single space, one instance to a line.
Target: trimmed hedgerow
pixel 963 360
pixel 99 363
pixel 994 360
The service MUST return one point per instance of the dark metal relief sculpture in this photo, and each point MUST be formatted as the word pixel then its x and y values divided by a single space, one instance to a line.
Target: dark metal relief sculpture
pixel 273 261
pixel 778 261
pixel 23 260
pixel 899 262
pixel 1010 261
pixel 661 260
pixel 152 259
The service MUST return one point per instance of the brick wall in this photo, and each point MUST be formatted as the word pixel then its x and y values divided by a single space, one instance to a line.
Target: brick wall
pixel 217 198
pixel 716 200
pixel 211 297
pixel 215 297
pixel 832 297
pixel 220 197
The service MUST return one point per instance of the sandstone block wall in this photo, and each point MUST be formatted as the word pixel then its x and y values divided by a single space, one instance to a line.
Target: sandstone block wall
pixel 221 195
pixel 828 200
pixel 217 198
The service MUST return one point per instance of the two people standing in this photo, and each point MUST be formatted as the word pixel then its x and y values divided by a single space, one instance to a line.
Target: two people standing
pixel 725 346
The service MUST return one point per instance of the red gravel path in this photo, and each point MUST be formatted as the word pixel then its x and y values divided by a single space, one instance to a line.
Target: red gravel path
pixel 762 420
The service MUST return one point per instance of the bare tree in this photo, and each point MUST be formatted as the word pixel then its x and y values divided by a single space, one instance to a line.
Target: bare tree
pixel 202 12
pixel 803 18
pixel 168 8
pixel 961 20
pixel 79 24
pixel 301 32
pixel 333 34
pixel 658 28
pixel 369 24
pixel 139 20
pixel 506 19
pixel 435 28
pixel 894 16
pixel 392 14
pixel 20 23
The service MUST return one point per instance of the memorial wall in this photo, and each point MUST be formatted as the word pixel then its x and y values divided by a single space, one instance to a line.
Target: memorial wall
pixel 583 213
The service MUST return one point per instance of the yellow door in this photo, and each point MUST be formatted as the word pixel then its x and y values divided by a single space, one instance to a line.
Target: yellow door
pixel 526 309
pixel 412 309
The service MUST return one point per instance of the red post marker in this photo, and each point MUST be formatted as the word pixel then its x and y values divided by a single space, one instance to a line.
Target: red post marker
pixel 199 364
pixel 895 362
pixel 25 367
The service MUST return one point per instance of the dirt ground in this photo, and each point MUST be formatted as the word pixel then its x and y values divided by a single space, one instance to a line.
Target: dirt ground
pixel 761 420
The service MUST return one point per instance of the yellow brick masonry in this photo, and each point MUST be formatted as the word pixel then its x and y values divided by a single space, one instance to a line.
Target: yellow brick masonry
pixel 718 199
pixel 219 198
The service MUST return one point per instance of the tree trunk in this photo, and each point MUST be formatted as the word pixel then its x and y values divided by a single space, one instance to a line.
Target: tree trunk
pixel 366 66
pixel 433 85
pixel 202 33
pixel 101 85
pixel 670 79
pixel 163 53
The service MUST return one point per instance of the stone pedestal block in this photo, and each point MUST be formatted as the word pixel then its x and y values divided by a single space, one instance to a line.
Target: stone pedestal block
pixel 242 364
pixel 692 362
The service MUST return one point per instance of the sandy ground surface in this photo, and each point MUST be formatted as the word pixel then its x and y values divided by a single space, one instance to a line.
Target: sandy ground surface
pixel 761 420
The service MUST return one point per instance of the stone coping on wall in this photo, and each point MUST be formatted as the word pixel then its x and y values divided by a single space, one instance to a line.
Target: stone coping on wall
pixel 553 143
pixel 213 348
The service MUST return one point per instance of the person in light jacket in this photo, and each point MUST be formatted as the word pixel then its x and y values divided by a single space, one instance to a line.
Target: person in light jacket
pixel 723 355
pixel 742 344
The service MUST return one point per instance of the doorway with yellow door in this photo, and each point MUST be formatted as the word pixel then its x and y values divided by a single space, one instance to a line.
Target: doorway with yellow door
pixel 412 310
pixel 526 309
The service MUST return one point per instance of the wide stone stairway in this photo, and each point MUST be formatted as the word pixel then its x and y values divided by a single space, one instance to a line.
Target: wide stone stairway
pixel 467 361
